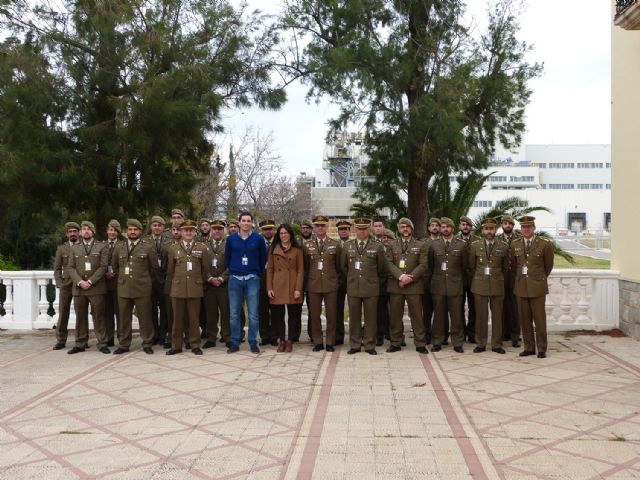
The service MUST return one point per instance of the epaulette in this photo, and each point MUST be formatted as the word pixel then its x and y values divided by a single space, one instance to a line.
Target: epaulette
pixel 476 241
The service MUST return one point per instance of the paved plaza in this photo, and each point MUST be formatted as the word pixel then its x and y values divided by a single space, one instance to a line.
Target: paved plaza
pixel 574 415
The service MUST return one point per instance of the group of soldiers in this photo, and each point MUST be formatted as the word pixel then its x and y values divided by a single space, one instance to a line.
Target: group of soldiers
pixel 174 275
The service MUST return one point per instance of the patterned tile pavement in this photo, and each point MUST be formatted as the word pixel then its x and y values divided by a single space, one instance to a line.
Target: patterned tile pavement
pixel 574 415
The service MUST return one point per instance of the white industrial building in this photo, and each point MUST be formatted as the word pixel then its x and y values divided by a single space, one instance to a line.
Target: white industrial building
pixel 574 181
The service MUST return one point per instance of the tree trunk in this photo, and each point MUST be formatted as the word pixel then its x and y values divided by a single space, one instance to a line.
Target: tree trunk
pixel 417 202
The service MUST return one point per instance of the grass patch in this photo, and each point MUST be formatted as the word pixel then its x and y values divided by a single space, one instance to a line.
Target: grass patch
pixel 582 262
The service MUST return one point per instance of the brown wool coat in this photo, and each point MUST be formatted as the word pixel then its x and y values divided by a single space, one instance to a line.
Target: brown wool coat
pixel 285 274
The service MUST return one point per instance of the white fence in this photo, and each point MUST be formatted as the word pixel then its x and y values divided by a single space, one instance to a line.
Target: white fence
pixel 578 299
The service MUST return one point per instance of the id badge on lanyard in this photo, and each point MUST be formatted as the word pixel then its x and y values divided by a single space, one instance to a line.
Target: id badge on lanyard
pixel 189 265
pixel 127 270
pixel 245 260
pixel 403 263
pixel 356 265
pixel 214 262
pixel 320 265
pixel 87 265
pixel 443 267
pixel 487 270
pixel 525 270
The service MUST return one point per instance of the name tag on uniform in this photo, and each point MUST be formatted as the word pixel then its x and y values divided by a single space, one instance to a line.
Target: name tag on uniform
pixel 487 271
pixel 214 262
pixel 126 270
pixel 320 265
pixel 356 265
pixel 87 266
pixel 245 260
pixel 189 266
pixel 525 270
pixel 443 267
pixel 403 264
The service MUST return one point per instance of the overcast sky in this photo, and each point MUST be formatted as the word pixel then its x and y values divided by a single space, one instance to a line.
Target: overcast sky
pixel 571 102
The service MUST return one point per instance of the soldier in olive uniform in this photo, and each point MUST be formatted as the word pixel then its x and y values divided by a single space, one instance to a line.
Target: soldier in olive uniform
pixel 407 267
pixel 204 230
pixel 64 283
pixel 364 263
pixel 111 312
pixel 448 264
pixel 306 229
pixel 382 324
pixel 188 266
pixel 87 266
pixel 177 215
pixel 176 237
pixel 466 227
pixel 531 263
pixel 344 234
pixel 135 263
pixel 427 301
pixel 216 295
pixel 489 260
pixel 322 256
pixel 268 335
pixel 510 323
pixel 158 301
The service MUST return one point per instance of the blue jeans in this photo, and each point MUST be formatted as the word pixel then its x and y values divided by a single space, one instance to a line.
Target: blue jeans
pixel 239 291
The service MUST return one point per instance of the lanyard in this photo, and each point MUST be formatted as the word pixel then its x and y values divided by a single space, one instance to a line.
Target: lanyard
pixel 130 250
pixel 85 248
pixel 318 246
pixel 404 246
pixel 363 248
pixel 488 252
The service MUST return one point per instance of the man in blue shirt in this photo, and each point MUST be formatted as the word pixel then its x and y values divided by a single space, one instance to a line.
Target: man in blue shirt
pixel 246 256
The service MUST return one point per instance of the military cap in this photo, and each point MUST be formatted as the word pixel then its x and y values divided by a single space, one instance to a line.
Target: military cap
pixel 447 221
pixel 307 223
pixel 188 224
pixel 233 221
pixel 158 219
pixel 70 225
pixel 132 222
pixel 406 221
pixel 466 220
pixel 177 211
pixel 115 224
pixel 343 224
pixel 362 223
pixel 389 233
pixel 508 218
pixel 87 223
pixel 489 222
pixel 434 220
pixel 320 220
pixel 218 223
pixel 527 220
pixel 267 224
pixel 204 219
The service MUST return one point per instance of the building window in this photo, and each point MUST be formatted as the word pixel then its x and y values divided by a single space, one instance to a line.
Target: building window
pixel 608 187
pixel 523 178
pixel 590 165
pixel 589 186
pixel 482 203
pixel 542 165
pixel 608 165
pixel 561 186
pixel 562 165
pixel 544 186
pixel 497 178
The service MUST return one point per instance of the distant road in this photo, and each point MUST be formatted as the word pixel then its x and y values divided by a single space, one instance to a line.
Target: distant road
pixel 576 248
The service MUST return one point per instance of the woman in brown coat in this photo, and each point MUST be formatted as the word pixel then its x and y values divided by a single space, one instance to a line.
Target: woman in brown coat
pixel 285 276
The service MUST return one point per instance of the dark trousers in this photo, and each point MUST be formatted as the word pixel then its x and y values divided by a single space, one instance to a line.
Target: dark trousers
pixel 267 331
pixel 510 323
pixel 531 312
pixel 216 300
pixel 159 312
pixel 81 304
pixel 396 307
pixel 309 327
pixel 111 314
pixel 189 308
pixel 340 302
pixel 427 313
pixel 470 326
pixel 294 319
pixel 64 310
pixel 143 307
pixel 359 335
pixel 315 310
pixel 444 308
pixel 482 321
pixel 382 327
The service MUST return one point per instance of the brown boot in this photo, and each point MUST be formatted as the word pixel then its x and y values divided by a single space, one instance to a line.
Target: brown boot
pixel 289 346
pixel 281 346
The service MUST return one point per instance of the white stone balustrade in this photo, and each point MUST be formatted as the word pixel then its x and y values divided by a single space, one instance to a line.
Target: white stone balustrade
pixel 578 299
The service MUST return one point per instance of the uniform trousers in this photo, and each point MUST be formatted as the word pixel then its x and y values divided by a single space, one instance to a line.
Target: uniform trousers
pixel 358 335
pixel 315 310
pixel 159 312
pixel 340 300
pixel 483 303
pixel 427 313
pixel 445 308
pixel 111 314
pixel 294 314
pixel 64 310
pixel 531 311
pixel 396 308
pixel 470 328
pixel 143 305
pixel 266 328
pixel 382 317
pixel 510 323
pixel 81 304
pixel 191 308
pixel 216 300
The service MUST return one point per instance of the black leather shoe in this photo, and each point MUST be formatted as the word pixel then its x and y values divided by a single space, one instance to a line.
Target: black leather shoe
pixel 166 345
pixel 515 344
pixel 380 341
pixel 422 350
pixel 254 348
pixel 479 349
pixel 196 351
pixel 111 343
pixel 203 334
pixel 233 349
pixel 498 350
pixel 372 351
pixel 446 342
pixel 209 344
pixel 120 350
pixel 105 350
pixel 458 349
pixel 148 350
pixel 436 348
pixel 75 350
pixel 329 348
pixel 393 349
pixel 526 354
pixel 353 350
pixel 173 351
pixel 59 346
pixel 542 354
pixel 403 343
pixel 317 348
